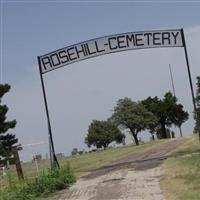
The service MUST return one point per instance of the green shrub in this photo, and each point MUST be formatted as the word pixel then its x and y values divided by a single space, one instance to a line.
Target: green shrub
pixel 48 182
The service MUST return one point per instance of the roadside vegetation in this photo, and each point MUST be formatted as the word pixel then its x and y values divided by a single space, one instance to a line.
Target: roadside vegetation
pixel 182 175
pixel 47 183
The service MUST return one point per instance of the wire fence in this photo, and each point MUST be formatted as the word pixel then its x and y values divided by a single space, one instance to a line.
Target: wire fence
pixel 34 160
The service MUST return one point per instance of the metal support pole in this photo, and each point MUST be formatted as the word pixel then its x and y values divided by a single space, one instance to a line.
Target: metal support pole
pixel 189 76
pixel 53 159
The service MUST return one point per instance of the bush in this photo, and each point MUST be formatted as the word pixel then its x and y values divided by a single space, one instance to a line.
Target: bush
pixel 47 183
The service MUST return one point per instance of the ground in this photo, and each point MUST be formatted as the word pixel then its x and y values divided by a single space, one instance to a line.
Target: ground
pixel 135 177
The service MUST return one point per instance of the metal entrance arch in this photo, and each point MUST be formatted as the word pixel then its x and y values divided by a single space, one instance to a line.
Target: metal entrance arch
pixel 106 45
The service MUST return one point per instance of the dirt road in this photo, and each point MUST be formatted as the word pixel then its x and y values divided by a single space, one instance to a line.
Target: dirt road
pixel 135 177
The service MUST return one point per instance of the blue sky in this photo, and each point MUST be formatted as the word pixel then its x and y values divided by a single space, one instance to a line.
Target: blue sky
pixel 36 28
pixel 89 89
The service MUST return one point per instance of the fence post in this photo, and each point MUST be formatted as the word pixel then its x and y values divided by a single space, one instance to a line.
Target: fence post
pixel 17 163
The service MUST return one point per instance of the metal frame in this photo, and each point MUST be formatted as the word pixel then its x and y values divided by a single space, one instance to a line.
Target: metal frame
pixel 190 78
pixel 53 159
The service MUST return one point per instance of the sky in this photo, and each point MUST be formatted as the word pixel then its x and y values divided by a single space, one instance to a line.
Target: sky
pixel 89 89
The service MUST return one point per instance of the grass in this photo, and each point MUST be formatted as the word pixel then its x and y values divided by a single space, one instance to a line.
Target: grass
pixel 182 174
pixel 47 183
pixel 97 159
pixel 89 161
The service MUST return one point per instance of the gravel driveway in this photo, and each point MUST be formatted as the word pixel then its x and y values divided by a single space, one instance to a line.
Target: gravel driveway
pixel 134 177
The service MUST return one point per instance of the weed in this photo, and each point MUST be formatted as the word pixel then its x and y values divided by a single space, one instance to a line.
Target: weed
pixel 47 183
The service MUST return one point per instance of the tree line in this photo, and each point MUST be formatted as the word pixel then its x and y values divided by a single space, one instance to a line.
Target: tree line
pixel 153 114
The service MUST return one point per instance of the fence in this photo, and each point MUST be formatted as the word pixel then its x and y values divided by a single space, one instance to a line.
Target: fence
pixel 34 160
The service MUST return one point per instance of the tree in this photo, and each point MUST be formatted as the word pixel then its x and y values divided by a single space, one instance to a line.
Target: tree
pixel 132 116
pixel 74 152
pixel 6 140
pixel 167 112
pixel 159 134
pixel 197 114
pixel 102 133
pixel 180 116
